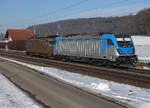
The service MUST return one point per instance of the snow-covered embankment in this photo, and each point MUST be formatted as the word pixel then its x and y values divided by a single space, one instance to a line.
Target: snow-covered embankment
pixel 142 48
pixel 13 97
pixel 139 97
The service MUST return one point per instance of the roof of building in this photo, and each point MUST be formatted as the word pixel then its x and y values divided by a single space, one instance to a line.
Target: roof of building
pixel 19 34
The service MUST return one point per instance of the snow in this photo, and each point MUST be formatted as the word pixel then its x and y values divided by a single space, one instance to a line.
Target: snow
pixel 145 105
pixel 141 40
pixel 142 46
pixel 142 67
pixel 142 50
pixel 102 87
pixel 140 97
pixel 13 97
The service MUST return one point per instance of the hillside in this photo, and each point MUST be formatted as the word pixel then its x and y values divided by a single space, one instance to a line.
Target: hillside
pixel 138 24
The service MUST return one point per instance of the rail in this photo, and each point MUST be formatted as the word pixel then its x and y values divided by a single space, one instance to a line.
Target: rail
pixel 135 77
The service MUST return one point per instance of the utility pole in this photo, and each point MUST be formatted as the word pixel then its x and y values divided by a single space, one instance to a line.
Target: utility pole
pixel 59 28
pixel 34 31
pixel 94 27
pixel 1 34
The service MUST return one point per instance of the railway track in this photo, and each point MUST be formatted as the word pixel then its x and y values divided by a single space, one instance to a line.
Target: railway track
pixel 140 78
pixel 52 92
pixel 141 71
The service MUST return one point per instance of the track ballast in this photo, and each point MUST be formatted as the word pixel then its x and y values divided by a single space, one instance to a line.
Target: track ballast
pixel 137 77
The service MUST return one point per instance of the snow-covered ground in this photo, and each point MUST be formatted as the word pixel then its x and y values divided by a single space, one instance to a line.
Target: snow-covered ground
pixel 142 48
pixel 139 97
pixel 13 97
pixel 141 40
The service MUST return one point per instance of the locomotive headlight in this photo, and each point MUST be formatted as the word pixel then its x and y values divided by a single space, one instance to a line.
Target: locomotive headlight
pixel 119 51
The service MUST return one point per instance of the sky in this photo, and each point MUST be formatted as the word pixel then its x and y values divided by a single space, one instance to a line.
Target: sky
pixel 19 14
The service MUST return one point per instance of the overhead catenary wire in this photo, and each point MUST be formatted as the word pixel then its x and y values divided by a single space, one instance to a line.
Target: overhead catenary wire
pixel 28 22
pixel 65 16
pixel 94 26
pixel 54 11
pixel 39 18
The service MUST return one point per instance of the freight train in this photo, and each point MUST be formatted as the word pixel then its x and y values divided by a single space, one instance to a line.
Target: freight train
pixel 106 49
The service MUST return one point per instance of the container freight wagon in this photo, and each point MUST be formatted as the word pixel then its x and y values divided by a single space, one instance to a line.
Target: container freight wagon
pixel 40 47
pixel 103 49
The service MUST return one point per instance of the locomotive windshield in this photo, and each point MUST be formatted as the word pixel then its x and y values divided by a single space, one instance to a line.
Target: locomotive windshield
pixel 124 42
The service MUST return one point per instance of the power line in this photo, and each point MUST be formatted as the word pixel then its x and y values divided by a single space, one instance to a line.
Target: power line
pixel 66 15
pixel 38 18
pixel 73 5
pixel 50 13
pixel 59 10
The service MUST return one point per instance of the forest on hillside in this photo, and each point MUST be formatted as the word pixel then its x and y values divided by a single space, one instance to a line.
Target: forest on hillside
pixel 138 24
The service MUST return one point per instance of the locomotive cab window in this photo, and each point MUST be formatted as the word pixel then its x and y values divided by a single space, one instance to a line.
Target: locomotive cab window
pixel 110 42
pixel 124 42
pixel 51 43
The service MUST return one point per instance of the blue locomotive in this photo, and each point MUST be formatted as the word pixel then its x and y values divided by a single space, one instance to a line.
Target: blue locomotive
pixel 103 50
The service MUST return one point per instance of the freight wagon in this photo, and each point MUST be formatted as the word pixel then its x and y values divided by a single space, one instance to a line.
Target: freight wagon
pixel 40 47
pixel 105 49
pixel 2 45
pixel 17 45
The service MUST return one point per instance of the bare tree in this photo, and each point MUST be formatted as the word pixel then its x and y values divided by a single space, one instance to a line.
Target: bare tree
pixel 131 24
pixel 2 36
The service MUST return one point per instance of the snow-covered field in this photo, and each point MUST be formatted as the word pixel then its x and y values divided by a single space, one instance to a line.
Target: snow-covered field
pixel 136 96
pixel 142 48
pixel 13 97
pixel 141 40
